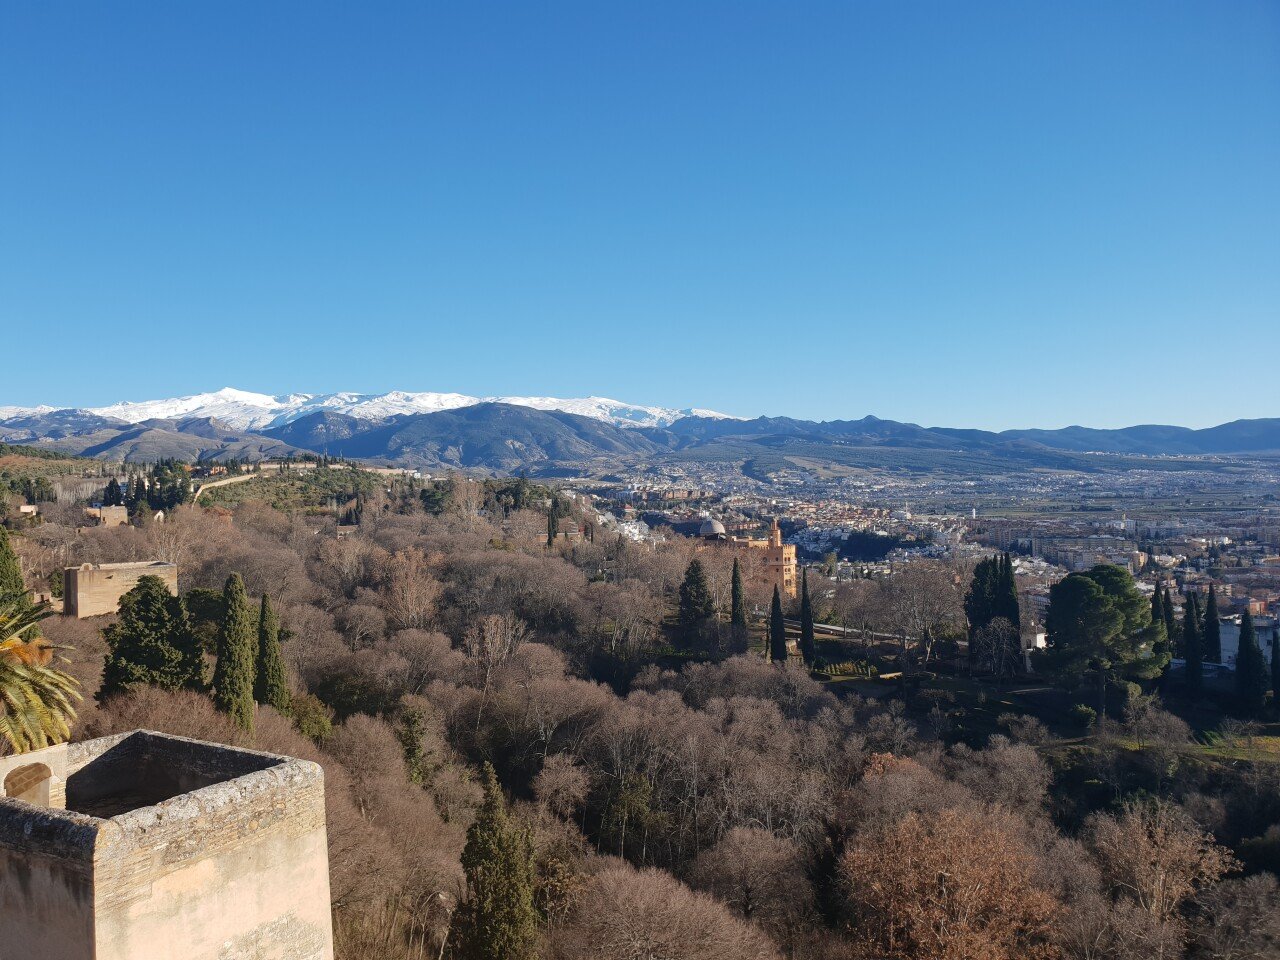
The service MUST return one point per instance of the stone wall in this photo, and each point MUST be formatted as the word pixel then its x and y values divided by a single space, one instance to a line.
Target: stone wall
pixel 236 866
pixel 92 590
pixel 46 882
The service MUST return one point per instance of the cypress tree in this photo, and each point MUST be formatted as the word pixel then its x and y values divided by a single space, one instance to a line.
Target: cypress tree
pixel 233 676
pixel 151 643
pixel 979 602
pixel 137 493
pixel 738 607
pixel 738 610
pixel 1164 651
pixel 113 496
pixel 808 646
pixel 777 630
pixel 1189 611
pixel 1251 670
pixel 697 607
pixel 1157 604
pixel 1193 648
pixel 270 684
pixel 1192 652
pixel 498 920
pixel 553 521
pixel 1212 629
pixel 1006 599
pixel 1170 624
pixel 12 586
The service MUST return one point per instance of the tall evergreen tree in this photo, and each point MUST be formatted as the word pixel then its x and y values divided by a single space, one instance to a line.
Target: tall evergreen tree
pixel 777 630
pixel 1191 633
pixel 113 496
pixel 1006 598
pixel 12 586
pixel 738 596
pixel 697 607
pixel 980 602
pixel 1170 623
pixel 151 643
pixel 1099 627
pixel 1192 652
pixel 270 684
pixel 808 645
pixel 1162 647
pixel 1251 670
pixel 553 526
pixel 498 920
pixel 1197 614
pixel 1212 629
pixel 738 609
pixel 237 646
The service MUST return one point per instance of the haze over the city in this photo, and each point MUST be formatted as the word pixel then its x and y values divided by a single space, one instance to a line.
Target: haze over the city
pixel 981 215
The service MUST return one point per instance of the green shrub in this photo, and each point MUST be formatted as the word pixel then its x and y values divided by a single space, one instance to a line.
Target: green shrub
pixel 312 718
pixel 1121 693
pixel 1084 715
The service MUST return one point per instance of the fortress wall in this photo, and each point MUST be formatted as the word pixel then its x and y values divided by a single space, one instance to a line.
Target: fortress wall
pixel 46 883
pixel 237 869
pixel 234 868
pixel 93 591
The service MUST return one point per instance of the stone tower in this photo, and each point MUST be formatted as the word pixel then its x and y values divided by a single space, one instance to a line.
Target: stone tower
pixel 144 846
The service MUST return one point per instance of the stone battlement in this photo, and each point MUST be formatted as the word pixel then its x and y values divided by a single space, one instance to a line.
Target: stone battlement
pixel 125 846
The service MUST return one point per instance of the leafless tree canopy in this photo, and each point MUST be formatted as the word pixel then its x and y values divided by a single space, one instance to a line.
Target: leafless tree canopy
pixel 731 808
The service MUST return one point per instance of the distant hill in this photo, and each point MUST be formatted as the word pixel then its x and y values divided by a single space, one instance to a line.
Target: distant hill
pixel 1241 437
pixel 53 425
pixel 152 440
pixel 509 437
pixel 323 432
pixel 494 436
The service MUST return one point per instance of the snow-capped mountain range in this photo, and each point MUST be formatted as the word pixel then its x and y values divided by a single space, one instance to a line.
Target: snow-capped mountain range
pixel 244 410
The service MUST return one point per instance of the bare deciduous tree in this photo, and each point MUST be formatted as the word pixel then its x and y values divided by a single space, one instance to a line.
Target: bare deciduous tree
pixel 1156 856
pixel 412 592
pixel 956 886
pixel 628 914
pixel 760 875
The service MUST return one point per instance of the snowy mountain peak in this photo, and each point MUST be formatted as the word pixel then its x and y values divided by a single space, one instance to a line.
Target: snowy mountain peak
pixel 245 410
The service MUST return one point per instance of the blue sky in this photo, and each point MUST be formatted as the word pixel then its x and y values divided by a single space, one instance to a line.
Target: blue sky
pixel 966 214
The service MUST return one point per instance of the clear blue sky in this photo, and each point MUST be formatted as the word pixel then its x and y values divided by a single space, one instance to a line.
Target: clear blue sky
pixel 967 214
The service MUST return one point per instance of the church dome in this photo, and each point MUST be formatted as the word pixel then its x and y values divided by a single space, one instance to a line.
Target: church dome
pixel 711 528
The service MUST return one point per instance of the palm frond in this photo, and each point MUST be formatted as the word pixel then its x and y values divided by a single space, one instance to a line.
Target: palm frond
pixel 37 700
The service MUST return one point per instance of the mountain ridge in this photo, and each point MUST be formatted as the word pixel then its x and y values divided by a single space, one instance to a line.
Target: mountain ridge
pixel 504 436
pixel 245 410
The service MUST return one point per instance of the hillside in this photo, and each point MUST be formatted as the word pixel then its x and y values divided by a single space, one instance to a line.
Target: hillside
pixel 311 490
pixel 493 436
pixel 188 440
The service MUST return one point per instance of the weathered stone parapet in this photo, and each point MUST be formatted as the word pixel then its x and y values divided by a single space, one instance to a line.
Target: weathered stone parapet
pixel 167 841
